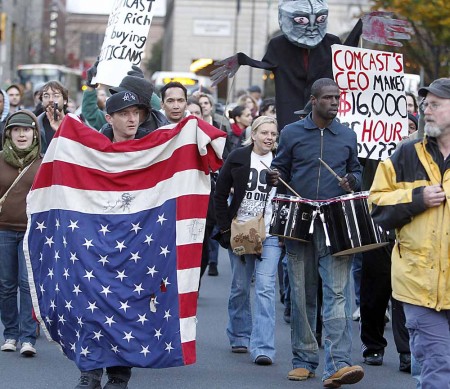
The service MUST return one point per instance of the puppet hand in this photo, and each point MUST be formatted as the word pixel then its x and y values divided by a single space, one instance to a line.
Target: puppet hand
pixel 379 27
pixel 227 68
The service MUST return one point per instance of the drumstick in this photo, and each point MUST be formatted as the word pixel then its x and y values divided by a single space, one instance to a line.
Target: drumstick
pixel 331 170
pixel 284 182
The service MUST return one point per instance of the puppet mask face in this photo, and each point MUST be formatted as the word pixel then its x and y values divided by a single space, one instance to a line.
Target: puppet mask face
pixel 303 23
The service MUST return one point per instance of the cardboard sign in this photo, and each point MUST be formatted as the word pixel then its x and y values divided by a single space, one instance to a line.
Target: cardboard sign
pixel 373 101
pixel 125 39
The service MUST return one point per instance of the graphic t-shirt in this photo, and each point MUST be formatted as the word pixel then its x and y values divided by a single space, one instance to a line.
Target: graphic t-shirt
pixel 257 191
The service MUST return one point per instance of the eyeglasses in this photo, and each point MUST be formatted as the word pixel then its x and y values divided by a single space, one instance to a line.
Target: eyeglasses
pixel 48 96
pixel 433 106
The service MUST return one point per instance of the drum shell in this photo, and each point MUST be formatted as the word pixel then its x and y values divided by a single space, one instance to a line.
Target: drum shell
pixel 350 227
pixel 291 218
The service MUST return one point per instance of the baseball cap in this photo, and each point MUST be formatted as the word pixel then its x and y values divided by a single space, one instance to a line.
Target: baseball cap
pixel 121 100
pixel 439 87
pixel 305 111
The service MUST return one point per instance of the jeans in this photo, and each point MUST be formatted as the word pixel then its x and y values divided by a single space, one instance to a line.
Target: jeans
pixel 303 261
pixel 257 334
pixel 213 247
pixel 287 287
pixel 429 332
pixel 19 325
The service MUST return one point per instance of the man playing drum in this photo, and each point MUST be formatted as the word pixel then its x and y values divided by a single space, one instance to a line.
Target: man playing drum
pixel 302 143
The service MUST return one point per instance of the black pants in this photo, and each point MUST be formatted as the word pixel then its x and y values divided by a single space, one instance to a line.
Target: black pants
pixel 375 293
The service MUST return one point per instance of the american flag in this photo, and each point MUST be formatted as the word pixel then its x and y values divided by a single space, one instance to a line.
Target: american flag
pixel 114 241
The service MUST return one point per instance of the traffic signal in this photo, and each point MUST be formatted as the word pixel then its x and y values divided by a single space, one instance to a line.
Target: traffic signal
pixel 2 26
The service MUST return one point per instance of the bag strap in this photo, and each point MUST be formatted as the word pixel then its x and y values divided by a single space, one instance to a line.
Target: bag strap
pixel 2 200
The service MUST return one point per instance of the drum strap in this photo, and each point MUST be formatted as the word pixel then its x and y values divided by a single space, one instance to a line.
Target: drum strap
pixel 327 239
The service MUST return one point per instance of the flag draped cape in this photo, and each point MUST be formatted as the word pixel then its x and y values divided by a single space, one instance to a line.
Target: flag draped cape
pixel 114 242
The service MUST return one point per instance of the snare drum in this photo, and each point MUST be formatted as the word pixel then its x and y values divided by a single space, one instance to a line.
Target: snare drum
pixel 350 227
pixel 292 217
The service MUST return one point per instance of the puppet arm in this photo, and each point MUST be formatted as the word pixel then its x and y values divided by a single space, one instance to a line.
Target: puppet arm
pixel 229 66
pixel 379 27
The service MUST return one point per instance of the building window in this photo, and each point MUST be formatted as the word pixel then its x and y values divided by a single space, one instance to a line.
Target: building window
pixel 90 44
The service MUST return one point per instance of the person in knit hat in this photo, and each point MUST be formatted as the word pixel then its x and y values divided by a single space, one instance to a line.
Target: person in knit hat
pixel 413 124
pixel 19 161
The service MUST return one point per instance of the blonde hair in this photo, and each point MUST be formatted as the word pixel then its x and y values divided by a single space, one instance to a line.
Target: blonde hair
pixel 259 121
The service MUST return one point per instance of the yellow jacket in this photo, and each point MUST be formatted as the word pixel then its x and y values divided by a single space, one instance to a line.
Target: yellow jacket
pixel 420 258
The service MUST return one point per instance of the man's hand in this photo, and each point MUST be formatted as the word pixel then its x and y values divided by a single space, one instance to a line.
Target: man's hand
pixel 379 27
pixel 272 177
pixel 433 196
pixel 91 73
pixel 50 113
pixel 228 68
pixel 348 182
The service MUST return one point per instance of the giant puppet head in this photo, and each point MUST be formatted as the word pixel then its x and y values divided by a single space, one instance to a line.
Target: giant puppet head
pixel 303 22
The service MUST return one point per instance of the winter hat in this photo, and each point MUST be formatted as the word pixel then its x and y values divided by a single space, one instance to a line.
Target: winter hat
pixel 414 120
pixel 135 82
pixel 21 119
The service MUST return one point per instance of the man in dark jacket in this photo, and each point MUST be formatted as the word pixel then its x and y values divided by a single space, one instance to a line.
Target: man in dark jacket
pixel 302 143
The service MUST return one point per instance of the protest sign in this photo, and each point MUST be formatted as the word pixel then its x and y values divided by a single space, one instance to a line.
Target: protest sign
pixel 125 38
pixel 373 101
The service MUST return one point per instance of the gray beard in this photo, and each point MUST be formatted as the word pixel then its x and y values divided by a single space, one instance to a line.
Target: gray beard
pixel 432 130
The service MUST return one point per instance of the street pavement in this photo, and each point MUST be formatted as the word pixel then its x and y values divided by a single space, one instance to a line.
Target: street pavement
pixel 216 366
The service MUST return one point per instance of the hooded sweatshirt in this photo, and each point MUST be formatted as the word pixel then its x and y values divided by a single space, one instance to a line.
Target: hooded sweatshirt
pixel 4 114
pixel 13 215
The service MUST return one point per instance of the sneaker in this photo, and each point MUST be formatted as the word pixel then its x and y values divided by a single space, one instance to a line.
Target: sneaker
pixel 356 315
pixel 347 375
pixel 90 379
pixel 239 349
pixel 287 315
pixel 116 383
pixel 27 349
pixel 212 270
pixel 263 360
pixel 374 359
pixel 9 345
pixel 405 362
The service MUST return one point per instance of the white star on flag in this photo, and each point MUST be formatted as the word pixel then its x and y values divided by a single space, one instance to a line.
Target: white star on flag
pixel 135 257
pixel 142 318
pixel 120 245
pixel 135 227
pixel 105 290
pixel 73 225
pixel 124 306
pixel 40 226
pixel 88 243
pixel 89 275
pixel 145 350
pixel 121 275
pixel 128 336
pixel 92 306
pixel 104 229
pixel 148 239
pixel 164 251
pixel 76 289
pixel 49 241
pixel 161 219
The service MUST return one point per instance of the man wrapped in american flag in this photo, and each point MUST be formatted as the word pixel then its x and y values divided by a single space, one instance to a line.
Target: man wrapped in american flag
pixel 114 240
